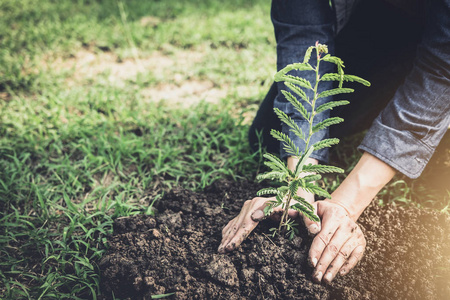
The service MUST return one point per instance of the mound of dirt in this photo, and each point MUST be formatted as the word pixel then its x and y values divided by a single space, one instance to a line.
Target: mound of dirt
pixel 407 255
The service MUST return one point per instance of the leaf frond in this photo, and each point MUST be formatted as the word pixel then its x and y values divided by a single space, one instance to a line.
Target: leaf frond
pixel 335 91
pixel 306 212
pixel 289 122
pixel 297 104
pixel 298 91
pixel 295 80
pixel 267 191
pixel 326 143
pixel 276 161
pixel 312 188
pixel 321 169
pixel 339 77
pixel 274 175
pixel 331 105
pixel 303 202
pixel 312 177
pixel 288 144
pixel 326 123
pixel 308 54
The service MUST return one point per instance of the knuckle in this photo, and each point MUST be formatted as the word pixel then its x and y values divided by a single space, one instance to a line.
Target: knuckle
pixel 333 249
pixel 323 238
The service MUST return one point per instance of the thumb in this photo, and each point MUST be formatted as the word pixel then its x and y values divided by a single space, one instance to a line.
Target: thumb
pixel 258 215
pixel 312 226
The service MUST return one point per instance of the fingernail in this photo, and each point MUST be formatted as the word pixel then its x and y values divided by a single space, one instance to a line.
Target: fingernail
pixel 328 277
pixel 314 262
pixel 313 229
pixel 258 215
pixel 220 250
pixel 342 272
pixel 318 276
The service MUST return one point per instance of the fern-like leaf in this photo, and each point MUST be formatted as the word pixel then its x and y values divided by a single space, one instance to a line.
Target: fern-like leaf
pixel 295 66
pixel 312 188
pixel 295 80
pixel 339 77
pixel 274 175
pixel 293 187
pixel 321 169
pixel 306 212
pixel 331 105
pixel 333 59
pixel 267 191
pixel 326 123
pixel 297 90
pixel 288 144
pixel 335 91
pixel 276 161
pixel 308 54
pixel 325 143
pixel 303 202
pixel 312 177
pixel 289 122
pixel 297 104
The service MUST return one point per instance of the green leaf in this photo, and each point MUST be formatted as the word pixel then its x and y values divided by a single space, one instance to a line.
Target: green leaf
pixel 331 105
pixel 308 54
pixel 321 169
pixel 303 202
pixel 335 91
pixel 267 191
pixel 276 161
pixel 162 296
pixel 302 161
pixel 325 143
pixel 293 187
pixel 326 123
pixel 274 175
pixel 295 66
pixel 312 188
pixel 306 212
pixel 339 77
pixel 289 122
pixel 294 80
pixel 333 59
pixel 298 91
pixel 297 104
pixel 312 177
pixel 288 144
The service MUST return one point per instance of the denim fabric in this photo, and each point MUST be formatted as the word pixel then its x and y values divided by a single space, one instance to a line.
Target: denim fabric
pixel 408 130
pixel 298 25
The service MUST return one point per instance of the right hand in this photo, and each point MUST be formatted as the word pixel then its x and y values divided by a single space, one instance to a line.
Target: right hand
pixel 237 230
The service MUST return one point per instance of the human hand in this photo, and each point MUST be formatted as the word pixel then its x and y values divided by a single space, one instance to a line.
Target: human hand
pixel 237 230
pixel 339 245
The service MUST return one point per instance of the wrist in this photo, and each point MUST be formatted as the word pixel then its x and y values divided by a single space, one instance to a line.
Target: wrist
pixel 363 183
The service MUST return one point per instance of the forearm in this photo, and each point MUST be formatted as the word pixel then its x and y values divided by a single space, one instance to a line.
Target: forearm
pixel 363 183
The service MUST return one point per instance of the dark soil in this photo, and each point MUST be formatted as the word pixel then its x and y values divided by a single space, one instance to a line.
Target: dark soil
pixel 407 255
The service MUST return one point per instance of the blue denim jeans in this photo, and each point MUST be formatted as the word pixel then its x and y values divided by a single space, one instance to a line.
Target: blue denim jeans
pixel 407 61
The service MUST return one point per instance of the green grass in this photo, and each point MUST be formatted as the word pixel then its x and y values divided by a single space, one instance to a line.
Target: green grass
pixel 78 150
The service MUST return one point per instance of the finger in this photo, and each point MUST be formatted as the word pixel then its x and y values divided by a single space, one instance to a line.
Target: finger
pixel 354 258
pixel 340 237
pixel 322 240
pixel 312 226
pixel 340 260
pixel 231 231
pixel 244 230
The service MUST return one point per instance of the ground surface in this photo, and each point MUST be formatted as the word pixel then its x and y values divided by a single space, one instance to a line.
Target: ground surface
pixel 407 255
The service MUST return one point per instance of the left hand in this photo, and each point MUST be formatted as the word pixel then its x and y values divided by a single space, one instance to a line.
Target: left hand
pixel 339 245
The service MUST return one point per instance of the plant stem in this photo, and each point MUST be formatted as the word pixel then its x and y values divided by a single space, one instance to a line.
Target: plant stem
pixel 310 121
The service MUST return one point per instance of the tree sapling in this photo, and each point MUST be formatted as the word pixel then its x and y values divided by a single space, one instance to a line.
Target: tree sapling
pixel 304 176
